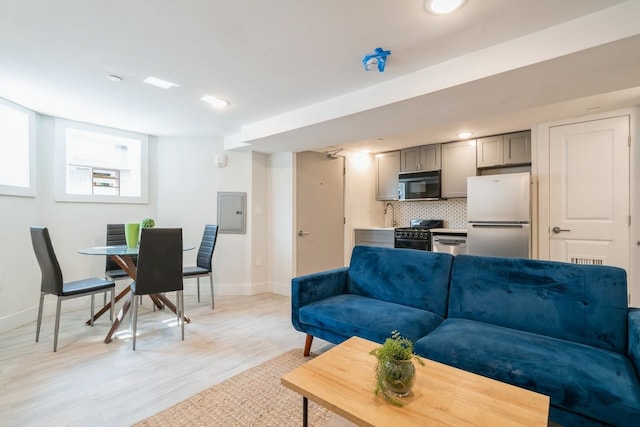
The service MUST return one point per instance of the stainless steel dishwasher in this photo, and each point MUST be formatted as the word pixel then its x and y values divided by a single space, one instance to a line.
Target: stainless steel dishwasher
pixel 453 244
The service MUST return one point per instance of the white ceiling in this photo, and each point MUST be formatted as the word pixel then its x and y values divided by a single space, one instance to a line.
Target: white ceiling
pixel 292 68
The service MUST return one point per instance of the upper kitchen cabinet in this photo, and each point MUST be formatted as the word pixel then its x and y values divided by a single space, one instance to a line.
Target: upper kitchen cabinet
pixel 458 163
pixel 504 150
pixel 517 148
pixel 387 170
pixel 490 151
pixel 421 159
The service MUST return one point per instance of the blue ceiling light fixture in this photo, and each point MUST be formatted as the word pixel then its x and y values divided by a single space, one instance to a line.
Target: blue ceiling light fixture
pixel 376 60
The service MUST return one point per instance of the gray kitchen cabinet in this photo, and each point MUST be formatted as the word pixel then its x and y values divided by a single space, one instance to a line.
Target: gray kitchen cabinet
pixel 458 163
pixel 371 237
pixel 504 150
pixel 517 148
pixel 425 158
pixel 387 170
pixel 490 151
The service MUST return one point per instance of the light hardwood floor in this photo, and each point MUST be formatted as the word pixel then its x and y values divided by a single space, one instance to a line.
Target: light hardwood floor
pixel 89 383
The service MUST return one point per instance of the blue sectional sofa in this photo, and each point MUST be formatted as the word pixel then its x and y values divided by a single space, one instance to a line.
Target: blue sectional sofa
pixel 563 330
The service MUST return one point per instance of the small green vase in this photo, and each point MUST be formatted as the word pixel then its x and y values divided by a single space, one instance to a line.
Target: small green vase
pixel 131 234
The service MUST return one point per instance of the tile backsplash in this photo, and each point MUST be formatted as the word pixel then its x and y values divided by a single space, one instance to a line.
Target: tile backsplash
pixel 452 211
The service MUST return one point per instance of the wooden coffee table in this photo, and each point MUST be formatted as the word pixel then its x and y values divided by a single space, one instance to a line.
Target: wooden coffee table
pixel 343 380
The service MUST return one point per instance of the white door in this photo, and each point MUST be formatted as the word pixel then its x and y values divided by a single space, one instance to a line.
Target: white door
pixel 319 212
pixel 589 192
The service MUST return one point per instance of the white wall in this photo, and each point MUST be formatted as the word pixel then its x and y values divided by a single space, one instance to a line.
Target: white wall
pixel 281 260
pixel 72 226
pixel 259 220
pixel 361 207
pixel 188 182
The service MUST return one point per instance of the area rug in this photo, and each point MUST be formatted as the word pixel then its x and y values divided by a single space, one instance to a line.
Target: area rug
pixel 252 398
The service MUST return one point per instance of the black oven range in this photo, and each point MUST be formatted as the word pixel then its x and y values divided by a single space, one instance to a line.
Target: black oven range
pixel 417 235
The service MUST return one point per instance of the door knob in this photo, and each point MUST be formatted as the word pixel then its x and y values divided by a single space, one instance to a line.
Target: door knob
pixel 303 233
pixel 558 230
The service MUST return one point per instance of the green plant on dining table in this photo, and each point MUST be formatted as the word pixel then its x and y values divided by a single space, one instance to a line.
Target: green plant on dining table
pixel 395 373
pixel 147 223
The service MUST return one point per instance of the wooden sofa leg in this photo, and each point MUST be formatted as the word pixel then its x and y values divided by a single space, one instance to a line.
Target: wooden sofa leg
pixel 307 345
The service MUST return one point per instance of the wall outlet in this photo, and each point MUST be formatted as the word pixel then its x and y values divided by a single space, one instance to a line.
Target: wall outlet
pixel 258 261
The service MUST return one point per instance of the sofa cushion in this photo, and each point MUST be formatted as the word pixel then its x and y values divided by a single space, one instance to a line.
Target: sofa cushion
pixel 408 277
pixel 581 303
pixel 597 383
pixel 354 315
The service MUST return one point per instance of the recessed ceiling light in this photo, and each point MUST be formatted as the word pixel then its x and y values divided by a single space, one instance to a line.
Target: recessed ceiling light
pixel 114 78
pixel 464 135
pixel 160 83
pixel 442 7
pixel 215 102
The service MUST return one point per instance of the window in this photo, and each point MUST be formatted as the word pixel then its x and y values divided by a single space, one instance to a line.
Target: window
pixel 17 150
pixel 97 164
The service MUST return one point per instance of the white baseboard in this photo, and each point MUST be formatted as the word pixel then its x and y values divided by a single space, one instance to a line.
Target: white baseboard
pixel 237 289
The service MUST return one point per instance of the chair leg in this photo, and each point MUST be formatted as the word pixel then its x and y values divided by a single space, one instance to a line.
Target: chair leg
pixel 198 280
pixel 93 308
pixel 211 282
pixel 180 311
pixel 39 316
pixel 113 303
pixel 57 327
pixel 134 321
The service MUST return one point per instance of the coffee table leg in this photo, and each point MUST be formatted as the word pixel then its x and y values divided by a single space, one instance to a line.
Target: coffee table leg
pixel 305 411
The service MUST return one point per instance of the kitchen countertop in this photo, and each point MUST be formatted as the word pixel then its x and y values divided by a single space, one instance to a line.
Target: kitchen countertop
pixel 376 228
pixel 449 230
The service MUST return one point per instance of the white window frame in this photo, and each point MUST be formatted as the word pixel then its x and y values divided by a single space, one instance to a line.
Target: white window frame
pixel 30 189
pixel 61 127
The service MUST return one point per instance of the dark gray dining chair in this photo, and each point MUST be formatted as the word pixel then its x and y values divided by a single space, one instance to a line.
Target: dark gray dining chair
pixel 115 237
pixel 159 270
pixel 53 284
pixel 204 265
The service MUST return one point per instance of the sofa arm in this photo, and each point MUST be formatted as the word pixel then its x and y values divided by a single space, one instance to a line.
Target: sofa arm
pixel 315 287
pixel 634 337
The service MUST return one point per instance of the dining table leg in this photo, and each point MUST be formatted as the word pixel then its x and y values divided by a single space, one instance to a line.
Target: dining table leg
pixel 160 300
pixel 116 322
pixel 107 307
pixel 128 266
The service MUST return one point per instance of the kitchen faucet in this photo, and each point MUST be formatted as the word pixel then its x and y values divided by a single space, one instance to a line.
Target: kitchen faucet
pixel 393 213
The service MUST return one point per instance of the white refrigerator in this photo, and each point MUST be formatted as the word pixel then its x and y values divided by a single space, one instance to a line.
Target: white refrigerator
pixel 499 215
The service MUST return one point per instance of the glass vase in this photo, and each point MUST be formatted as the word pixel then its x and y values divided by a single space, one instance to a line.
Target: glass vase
pixel 399 376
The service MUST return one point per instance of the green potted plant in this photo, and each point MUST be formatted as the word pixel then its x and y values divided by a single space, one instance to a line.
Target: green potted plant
pixel 147 223
pixel 395 372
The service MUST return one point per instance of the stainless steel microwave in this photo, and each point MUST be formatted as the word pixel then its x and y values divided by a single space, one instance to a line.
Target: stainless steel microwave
pixel 419 186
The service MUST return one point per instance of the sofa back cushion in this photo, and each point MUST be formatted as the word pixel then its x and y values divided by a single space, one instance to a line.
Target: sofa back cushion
pixel 580 303
pixel 409 277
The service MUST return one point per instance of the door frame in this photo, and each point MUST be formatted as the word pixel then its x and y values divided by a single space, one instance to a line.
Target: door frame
pixel 542 165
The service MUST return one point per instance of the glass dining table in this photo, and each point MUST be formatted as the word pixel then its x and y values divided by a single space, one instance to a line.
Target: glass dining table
pixel 121 254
